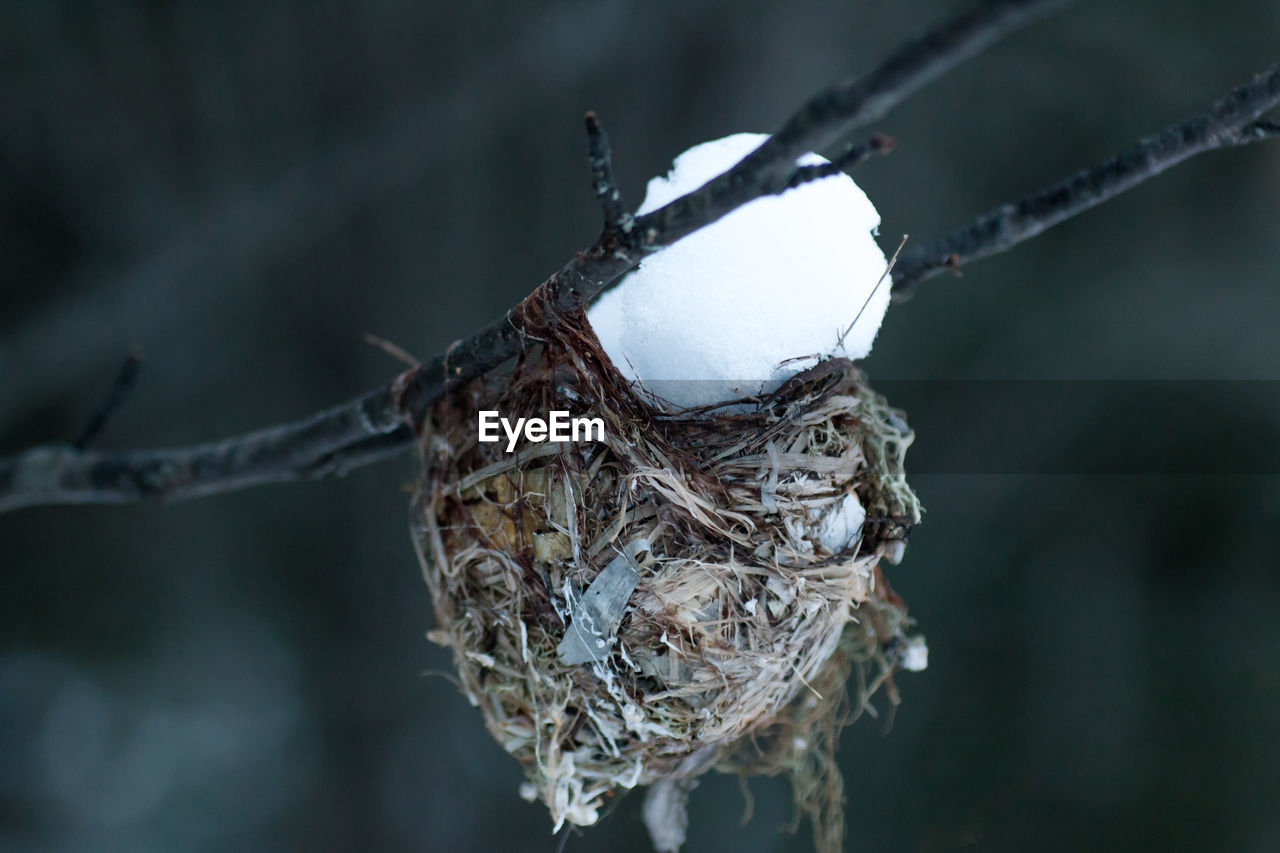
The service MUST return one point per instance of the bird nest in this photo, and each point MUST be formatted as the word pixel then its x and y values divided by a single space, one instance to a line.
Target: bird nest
pixel 692 592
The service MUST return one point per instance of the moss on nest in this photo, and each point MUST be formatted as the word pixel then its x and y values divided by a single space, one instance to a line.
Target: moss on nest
pixel 733 649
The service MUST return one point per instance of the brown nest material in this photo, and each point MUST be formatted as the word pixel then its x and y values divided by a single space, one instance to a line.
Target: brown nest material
pixel 638 610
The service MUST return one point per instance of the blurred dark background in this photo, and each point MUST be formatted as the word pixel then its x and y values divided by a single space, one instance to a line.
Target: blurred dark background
pixel 244 189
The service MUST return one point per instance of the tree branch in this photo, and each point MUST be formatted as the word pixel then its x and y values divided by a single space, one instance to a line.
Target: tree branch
pixel 1228 123
pixel 822 121
pixel 386 420
pixel 329 442
pixel 834 113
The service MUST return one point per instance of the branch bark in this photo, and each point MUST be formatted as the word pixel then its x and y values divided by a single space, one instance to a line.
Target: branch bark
pixel 329 442
pixel 386 420
pixel 1228 123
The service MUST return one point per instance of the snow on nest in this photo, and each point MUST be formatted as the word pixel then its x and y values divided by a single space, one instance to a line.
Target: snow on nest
pixel 752 299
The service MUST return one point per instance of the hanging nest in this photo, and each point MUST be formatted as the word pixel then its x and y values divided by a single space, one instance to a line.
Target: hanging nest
pixel 692 592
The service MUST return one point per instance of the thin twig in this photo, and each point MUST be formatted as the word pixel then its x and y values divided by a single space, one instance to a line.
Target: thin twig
pixel 878 144
pixel 394 350
pixel 600 159
pixel 1261 130
pixel 888 270
pixel 125 380
pixel 1228 123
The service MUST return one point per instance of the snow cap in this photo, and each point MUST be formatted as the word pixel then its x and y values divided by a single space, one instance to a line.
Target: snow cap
pixel 754 298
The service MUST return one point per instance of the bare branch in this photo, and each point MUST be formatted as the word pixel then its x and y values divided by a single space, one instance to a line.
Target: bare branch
pixel 330 442
pixel 385 420
pixel 834 113
pixel 1227 123
pixel 255 223
pixel 600 158
pixel 822 121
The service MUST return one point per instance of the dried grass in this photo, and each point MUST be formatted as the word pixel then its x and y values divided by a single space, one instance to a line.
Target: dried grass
pixel 734 649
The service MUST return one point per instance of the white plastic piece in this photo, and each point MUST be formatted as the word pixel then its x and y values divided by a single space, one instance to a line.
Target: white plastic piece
pixel 840 527
pixel 915 656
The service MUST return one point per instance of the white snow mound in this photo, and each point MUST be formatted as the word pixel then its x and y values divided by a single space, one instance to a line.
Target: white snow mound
pixel 752 299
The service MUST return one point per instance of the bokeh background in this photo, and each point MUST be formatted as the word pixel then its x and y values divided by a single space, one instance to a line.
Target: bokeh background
pixel 243 189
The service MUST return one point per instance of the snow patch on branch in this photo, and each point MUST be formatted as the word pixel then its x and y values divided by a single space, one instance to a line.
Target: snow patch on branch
pixel 752 299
